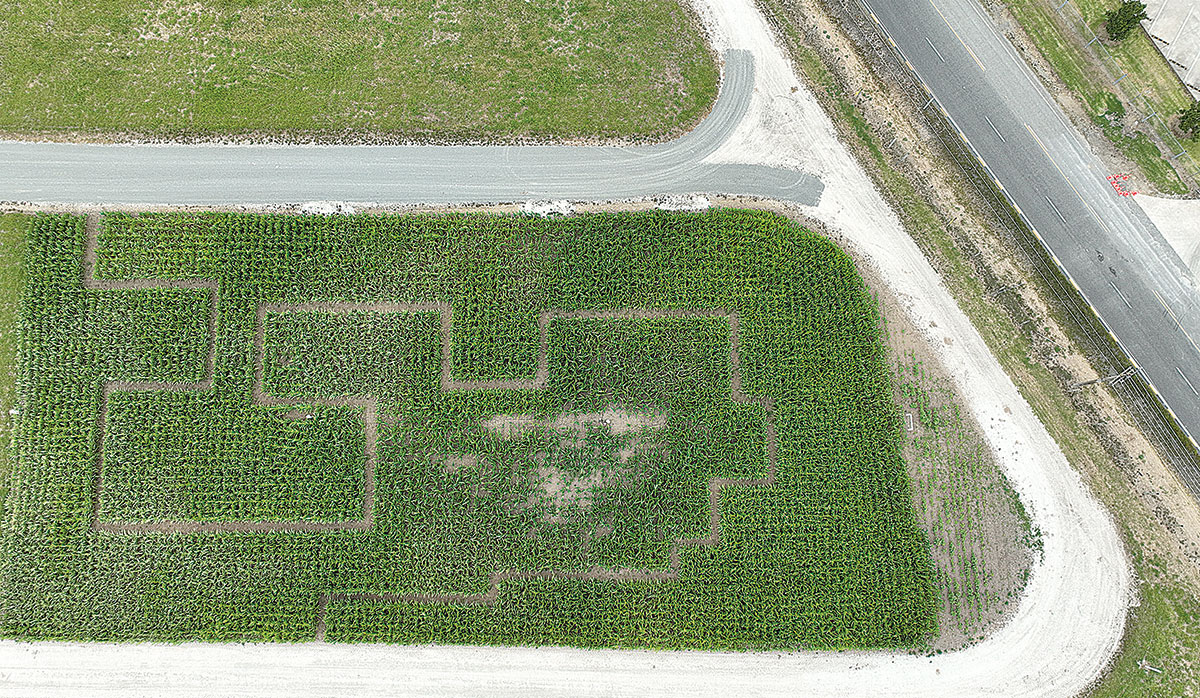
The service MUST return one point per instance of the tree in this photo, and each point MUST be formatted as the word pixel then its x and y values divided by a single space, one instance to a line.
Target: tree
pixel 1189 120
pixel 1123 20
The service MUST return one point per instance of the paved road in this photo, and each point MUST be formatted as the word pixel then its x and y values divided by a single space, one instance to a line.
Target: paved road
pixel 214 175
pixel 1122 263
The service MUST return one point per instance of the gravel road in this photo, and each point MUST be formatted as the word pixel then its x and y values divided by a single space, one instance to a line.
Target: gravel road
pixel 258 174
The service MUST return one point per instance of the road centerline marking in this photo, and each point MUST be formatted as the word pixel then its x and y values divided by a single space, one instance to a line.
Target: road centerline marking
pixel 956 35
pixel 1120 295
pixel 1064 176
pixel 1185 380
pixel 1001 135
pixel 1176 320
pixel 1056 211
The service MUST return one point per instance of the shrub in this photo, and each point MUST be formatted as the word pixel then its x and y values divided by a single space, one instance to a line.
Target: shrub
pixel 1123 20
pixel 1189 120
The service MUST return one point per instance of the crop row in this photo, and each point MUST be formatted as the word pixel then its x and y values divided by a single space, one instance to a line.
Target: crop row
pixel 829 555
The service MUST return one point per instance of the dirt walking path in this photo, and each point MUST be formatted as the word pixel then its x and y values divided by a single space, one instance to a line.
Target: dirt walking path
pixel 368 406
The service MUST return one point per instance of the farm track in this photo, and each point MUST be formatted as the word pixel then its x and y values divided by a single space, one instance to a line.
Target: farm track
pixel 368 405
pixel 253 174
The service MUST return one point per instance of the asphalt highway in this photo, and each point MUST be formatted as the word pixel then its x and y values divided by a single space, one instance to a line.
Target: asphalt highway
pixel 1122 264
pixel 221 175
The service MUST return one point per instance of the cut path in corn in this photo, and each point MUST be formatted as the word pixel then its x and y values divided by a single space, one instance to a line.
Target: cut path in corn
pixel 368 406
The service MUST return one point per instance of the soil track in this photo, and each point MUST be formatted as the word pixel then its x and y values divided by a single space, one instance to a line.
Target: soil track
pixel 369 414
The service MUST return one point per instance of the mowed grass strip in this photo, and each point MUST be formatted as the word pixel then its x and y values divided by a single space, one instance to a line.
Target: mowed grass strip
pixel 824 552
pixel 331 70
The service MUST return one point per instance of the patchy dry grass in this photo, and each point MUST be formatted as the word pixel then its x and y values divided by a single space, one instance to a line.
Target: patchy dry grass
pixel 979 534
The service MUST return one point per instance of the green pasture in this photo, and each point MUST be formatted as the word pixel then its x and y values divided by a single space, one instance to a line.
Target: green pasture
pixel 329 70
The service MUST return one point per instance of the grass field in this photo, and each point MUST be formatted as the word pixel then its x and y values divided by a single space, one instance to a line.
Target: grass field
pixel 643 430
pixel 349 69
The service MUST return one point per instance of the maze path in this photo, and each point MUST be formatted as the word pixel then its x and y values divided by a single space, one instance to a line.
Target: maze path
pixel 369 413
pixel 715 485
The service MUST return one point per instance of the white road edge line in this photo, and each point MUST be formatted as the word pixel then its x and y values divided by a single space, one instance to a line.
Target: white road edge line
pixel 1068 623
pixel 1185 380
pixel 1001 135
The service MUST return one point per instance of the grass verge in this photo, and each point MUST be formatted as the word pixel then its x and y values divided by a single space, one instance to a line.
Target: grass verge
pixel 359 70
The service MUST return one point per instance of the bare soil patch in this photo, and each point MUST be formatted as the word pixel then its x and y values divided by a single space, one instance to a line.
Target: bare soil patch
pixel 569 489
pixel 980 536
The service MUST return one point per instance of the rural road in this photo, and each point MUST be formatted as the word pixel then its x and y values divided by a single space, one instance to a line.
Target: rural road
pixel 1123 264
pixel 217 175
pixel 1070 619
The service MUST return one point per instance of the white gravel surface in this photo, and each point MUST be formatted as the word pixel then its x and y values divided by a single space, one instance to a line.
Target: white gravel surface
pixel 1067 628
pixel 1179 222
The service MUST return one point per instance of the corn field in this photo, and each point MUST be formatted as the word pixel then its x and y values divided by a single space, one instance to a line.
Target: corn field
pixel 665 430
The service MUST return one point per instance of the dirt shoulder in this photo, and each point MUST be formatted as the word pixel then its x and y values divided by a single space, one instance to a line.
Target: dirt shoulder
pixel 980 536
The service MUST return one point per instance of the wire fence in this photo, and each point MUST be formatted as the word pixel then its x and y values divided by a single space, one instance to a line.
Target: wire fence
pixel 1127 84
pixel 1088 330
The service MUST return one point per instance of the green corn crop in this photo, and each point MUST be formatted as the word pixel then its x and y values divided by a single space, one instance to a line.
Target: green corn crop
pixel 457 429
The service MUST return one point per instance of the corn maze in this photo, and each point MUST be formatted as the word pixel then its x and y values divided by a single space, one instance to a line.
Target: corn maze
pixel 669 430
